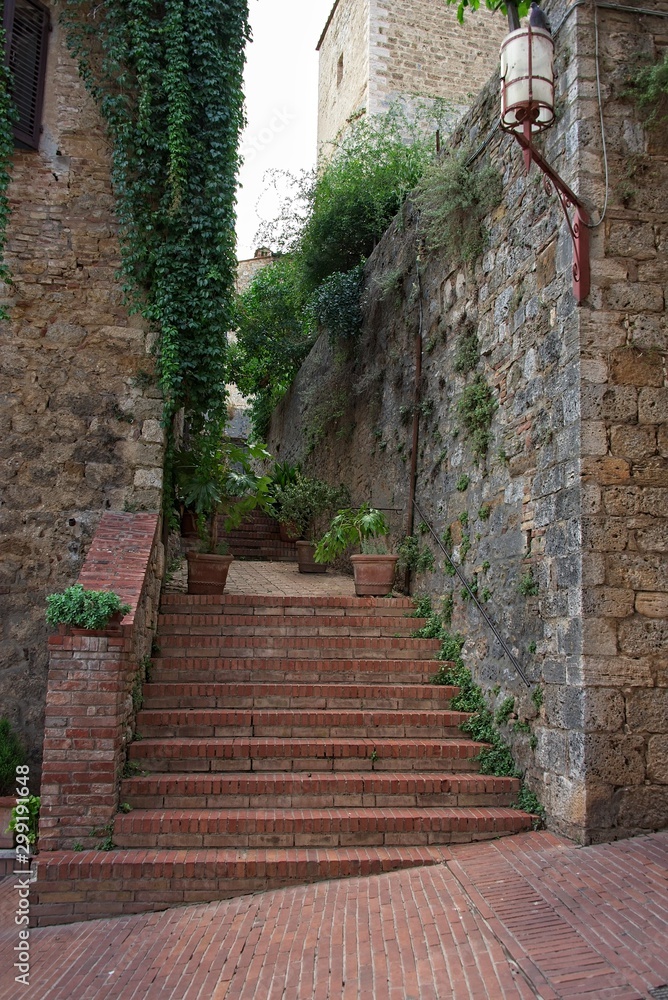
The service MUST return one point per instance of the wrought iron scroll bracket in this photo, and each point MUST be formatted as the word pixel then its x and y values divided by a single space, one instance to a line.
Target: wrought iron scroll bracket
pixel 577 226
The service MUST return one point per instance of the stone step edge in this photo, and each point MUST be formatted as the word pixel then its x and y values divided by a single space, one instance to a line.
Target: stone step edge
pixel 367 781
pixel 264 600
pixel 76 886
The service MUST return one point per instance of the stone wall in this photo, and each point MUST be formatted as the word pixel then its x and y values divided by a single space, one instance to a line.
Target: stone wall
pixel 79 408
pixel 374 52
pixel 570 499
pixel 343 73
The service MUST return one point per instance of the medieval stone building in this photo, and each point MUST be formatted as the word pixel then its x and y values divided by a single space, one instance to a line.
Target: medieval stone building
pixel 375 52
pixel 80 412
pixel 560 527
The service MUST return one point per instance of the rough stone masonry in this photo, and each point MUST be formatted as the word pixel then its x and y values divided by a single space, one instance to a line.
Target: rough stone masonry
pixel 571 498
pixel 80 412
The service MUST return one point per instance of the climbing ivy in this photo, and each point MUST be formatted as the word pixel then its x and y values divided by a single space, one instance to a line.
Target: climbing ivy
pixel 167 79
pixel 7 114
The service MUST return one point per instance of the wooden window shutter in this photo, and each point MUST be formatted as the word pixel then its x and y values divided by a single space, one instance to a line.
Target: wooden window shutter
pixel 26 25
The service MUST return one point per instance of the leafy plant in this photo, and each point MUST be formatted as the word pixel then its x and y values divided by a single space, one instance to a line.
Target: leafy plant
pixel 414 556
pixel 306 500
pixel 527 585
pixel 537 697
pixel 25 819
pixel 221 481
pixel 454 200
pixel 468 352
pixel 504 711
pixel 167 80
pixel 350 527
pixel 528 802
pixel 423 607
pixel 463 483
pixel 512 10
pixel 648 86
pixel 335 304
pixel 484 512
pixel 91 609
pixel 475 409
pixel 12 755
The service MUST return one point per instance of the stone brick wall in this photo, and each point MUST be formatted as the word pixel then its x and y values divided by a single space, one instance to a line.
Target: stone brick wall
pixel 343 73
pixel 89 704
pixel 79 408
pixel 572 493
pixel 374 52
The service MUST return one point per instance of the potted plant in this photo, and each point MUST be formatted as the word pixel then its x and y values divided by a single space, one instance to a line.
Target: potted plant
pixel 304 503
pixel 283 474
pixel 12 755
pixel 373 567
pixel 82 610
pixel 222 483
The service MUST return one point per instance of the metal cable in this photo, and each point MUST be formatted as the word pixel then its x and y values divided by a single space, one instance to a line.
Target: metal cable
pixel 493 627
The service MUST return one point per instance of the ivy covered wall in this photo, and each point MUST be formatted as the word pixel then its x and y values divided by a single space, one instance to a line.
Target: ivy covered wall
pixel 541 455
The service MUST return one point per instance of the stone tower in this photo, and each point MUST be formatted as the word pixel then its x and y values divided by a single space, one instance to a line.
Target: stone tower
pixel 373 52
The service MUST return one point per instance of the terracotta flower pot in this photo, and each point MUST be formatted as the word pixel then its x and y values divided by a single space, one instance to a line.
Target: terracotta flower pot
pixel 188 524
pixel 374 575
pixel 207 573
pixel 288 531
pixel 305 561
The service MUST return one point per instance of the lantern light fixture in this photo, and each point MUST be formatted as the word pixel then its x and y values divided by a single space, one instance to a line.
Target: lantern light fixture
pixel 527 108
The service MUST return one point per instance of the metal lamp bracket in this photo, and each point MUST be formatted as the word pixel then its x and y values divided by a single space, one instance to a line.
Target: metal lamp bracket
pixel 569 200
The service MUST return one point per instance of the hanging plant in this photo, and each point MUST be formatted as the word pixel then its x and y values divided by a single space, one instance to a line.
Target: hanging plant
pixel 167 80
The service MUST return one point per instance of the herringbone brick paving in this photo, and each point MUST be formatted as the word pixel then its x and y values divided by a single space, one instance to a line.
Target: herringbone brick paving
pixel 524 917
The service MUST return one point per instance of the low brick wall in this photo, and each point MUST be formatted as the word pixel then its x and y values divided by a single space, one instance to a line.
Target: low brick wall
pixel 89 707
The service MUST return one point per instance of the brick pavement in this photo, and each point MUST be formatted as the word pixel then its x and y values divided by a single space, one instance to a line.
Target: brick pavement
pixel 274 579
pixel 527 916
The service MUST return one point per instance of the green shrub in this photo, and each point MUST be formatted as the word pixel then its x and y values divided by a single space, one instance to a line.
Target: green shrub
pixel 475 409
pixel 527 586
pixel 453 200
pixel 414 556
pixel 648 86
pixel 12 755
pixel 335 304
pixel 25 819
pixel 82 608
pixel 504 711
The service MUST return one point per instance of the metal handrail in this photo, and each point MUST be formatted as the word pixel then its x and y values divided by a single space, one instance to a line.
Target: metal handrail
pixel 513 659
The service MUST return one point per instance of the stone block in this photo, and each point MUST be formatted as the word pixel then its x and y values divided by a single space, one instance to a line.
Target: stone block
pixel 637 571
pixel 634 367
pixel 552 751
pixel 654 537
pixel 593 569
pixel 614 758
pixel 618 671
pixel 633 441
pixel 594 439
pixel 641 809
pixel 599 637
pixel 653 405
pixel 604 534
pixel 606 470
pixel 643 636
pixel 148 478
pixel 647 710
pixel 657 760
pixel 652 605
pixel 608 602
pixel 631 239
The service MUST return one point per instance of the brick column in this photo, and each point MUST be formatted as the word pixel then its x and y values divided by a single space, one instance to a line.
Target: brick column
pixel 89 711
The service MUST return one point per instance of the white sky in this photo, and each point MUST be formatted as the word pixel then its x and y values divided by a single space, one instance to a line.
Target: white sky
pixel 281 88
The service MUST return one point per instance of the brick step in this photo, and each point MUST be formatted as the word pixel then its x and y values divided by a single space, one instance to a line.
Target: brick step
pixel 254 828
pixel 301 722
pixel 215 604
pixel 317 791
pixel 243 753
pixel 85 885
pixel 298 647
pixel 219 695
pixel 235 624
pixel 211 669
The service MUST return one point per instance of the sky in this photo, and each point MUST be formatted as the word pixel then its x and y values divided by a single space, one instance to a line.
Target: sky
pixel 281 89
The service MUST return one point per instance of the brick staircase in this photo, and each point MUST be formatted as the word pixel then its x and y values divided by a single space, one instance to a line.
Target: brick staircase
pixel 258 537
pixel 284 740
